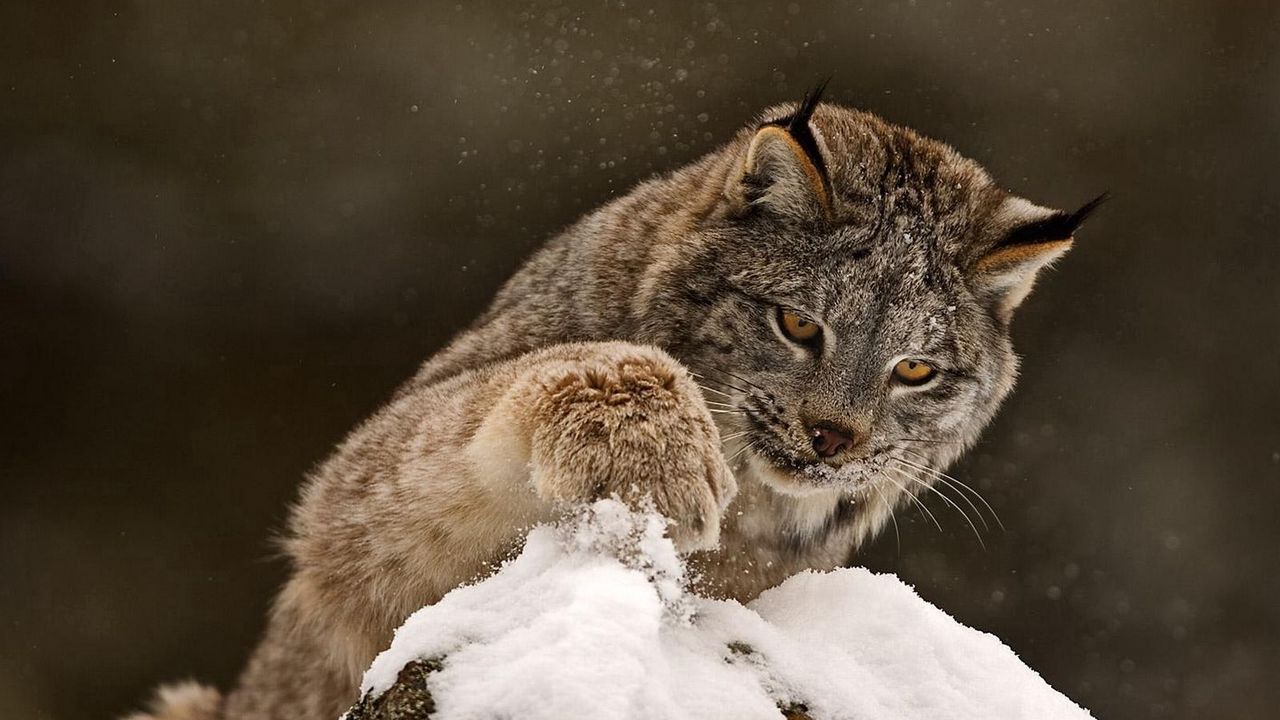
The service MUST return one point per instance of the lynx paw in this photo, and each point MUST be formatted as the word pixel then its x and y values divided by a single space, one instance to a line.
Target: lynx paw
pixel 627 421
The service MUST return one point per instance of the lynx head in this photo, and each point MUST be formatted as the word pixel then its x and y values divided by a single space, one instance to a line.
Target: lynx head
pixel 846 296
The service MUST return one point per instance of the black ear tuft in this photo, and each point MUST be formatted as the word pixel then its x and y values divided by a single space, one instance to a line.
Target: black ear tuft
pixel 798 123
pixel 1077 218
pixel 1058 226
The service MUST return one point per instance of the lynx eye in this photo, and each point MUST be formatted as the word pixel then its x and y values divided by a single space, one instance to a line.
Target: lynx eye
pixel 797 328
pixel 913 372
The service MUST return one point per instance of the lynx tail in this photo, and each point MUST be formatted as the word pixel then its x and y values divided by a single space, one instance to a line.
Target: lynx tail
pixel 182 701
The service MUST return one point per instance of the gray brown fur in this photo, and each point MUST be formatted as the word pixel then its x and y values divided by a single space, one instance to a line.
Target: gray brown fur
pixel 575 385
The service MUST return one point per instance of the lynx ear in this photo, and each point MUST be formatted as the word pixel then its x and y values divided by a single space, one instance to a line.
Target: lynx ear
pixel 1033 237
pixel 784 171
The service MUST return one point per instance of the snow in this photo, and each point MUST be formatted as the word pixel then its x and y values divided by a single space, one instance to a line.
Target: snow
pixel 591 620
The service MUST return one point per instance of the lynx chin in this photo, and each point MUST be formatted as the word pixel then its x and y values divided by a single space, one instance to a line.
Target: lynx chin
pixel 776 345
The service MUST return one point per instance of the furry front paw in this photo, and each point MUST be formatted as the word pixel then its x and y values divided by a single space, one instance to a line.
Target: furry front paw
pixel 627 421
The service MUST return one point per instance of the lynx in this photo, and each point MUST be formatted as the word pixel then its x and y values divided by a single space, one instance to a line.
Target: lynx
pixel 775 346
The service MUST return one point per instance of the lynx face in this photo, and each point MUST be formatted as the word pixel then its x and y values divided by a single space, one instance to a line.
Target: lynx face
pixel 847 304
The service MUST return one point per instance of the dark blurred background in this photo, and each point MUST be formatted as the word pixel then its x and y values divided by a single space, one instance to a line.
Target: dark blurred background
pixel 229 229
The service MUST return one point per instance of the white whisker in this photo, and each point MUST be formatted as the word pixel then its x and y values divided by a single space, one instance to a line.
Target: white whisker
pixel 911 496
pixel 897 538
pixel 945 499
pixel 722 382
pixel 947 483
pixel 740 451
pixel 962 486
pixel 718 392
pixel 717 403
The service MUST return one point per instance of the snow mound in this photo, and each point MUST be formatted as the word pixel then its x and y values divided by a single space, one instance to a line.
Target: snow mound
pixel 591 621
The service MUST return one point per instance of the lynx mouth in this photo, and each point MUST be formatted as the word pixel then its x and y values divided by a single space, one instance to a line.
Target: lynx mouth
pixel 792 474
pixel 767 453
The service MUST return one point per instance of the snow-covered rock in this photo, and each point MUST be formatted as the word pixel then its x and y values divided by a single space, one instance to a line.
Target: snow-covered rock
pixel 591 621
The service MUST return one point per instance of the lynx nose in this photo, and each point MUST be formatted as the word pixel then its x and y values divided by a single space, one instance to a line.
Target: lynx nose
pixel 830 441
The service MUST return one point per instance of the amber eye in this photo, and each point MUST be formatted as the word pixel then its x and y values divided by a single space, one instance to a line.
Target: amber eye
pixel 913 372
pixel 797 328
